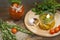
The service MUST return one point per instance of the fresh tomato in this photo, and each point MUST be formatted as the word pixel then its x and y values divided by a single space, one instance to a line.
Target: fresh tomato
pixel 14 30
pixel 52 31
pixel 59 27
pixel 16 15
pixel 56 29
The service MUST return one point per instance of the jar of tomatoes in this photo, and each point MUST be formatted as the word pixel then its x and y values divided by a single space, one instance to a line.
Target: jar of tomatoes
pixel 16 9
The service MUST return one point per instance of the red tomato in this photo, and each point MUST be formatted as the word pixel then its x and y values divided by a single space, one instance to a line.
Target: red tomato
pixel 59 27
pixel 14 30
pixel 16 15
pixel 56 29
pixel 52 31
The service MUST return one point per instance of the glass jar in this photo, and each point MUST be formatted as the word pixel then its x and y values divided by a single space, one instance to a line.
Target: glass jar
pixel 16 9
pixel 47 21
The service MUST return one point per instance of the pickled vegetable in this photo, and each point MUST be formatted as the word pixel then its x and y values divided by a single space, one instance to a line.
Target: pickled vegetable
pixel 46 21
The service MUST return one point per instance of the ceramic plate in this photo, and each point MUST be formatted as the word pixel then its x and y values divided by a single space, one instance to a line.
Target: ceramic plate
pixel 36 30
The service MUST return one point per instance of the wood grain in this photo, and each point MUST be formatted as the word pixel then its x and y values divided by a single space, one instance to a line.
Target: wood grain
pixel 28 4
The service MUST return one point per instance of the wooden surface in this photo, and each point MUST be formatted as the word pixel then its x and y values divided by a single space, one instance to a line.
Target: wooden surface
pixel 28 4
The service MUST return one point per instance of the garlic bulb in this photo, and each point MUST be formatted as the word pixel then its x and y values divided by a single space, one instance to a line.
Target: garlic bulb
pixel 31 21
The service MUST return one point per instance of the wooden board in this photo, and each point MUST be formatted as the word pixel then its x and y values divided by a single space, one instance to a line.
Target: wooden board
pixel 36 29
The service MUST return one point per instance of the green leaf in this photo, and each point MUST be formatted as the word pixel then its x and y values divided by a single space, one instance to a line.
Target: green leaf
pixel 6 30
pixel 17 1
pixel 46 5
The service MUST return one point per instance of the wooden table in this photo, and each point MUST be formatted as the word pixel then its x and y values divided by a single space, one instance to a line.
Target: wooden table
pixel 28 4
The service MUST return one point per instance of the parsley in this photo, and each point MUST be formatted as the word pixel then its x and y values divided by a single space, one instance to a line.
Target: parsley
pixel 46 5
pixel 13 1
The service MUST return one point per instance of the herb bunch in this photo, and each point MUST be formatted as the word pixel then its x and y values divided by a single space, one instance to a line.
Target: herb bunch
pixel 46 5
pixel 15 1
pixel 6 30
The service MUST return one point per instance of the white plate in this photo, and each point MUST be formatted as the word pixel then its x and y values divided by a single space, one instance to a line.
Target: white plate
pixel 37 30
